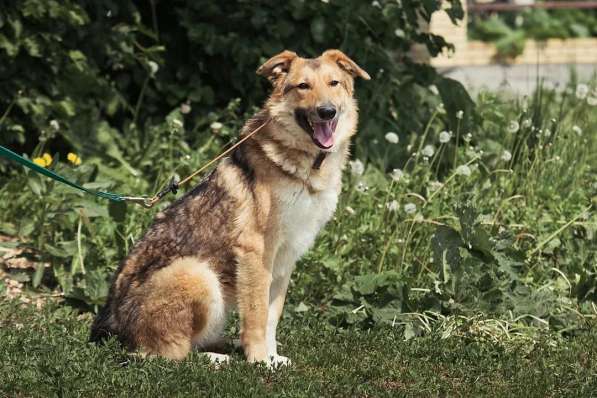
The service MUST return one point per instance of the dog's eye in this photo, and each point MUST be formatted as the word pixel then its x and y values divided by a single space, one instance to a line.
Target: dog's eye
pixel 304 86
pixel 334 83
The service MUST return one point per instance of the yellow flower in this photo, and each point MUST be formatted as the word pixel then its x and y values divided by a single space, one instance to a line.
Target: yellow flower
pixel 40 162
pixel 73 158
pixel 48 158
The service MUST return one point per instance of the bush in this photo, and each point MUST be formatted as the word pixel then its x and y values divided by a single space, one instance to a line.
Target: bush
pixel 112 68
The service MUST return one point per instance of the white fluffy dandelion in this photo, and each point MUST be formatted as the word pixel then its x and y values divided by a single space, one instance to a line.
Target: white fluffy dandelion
pixel 435 185
pixel 445 136
pixel 357 168
pixel 392 137
pixel 397 174
pixel 410 208
pixel 506 156
pixel 153 67
pixel 463 170
pixel 392 206
pixel 513 127
pixel 581 91
pixel 428 151
pixel 216 126
pixel 185 108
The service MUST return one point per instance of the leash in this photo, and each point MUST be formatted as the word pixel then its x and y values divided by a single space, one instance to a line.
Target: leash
pixel 147 202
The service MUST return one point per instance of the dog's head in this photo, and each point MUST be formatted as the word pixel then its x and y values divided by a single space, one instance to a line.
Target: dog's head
pixel 313 98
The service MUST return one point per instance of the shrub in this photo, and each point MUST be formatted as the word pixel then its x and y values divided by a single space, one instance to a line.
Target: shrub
pixel 107 68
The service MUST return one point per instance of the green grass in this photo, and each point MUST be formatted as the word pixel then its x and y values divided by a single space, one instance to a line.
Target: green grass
pixel 473 273
pixel 45 353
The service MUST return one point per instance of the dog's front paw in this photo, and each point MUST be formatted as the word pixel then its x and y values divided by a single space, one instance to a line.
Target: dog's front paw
pixel 276 361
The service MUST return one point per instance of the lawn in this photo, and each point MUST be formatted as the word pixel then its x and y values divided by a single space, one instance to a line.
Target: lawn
pixel 460 262
pixel 45 353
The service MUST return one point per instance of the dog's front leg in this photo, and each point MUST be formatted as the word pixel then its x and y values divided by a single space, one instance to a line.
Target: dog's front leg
pixel 253 284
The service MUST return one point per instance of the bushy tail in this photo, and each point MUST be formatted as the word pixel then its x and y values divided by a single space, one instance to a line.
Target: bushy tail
pixel 102 328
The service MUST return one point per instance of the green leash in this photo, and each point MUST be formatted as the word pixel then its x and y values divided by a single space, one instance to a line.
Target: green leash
pixel 8 154
pixel 144 201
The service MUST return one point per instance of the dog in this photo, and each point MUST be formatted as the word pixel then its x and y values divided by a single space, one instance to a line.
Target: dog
pixel 233 240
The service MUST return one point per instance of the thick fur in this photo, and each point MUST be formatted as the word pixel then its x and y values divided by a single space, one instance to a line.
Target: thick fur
pixel 232 241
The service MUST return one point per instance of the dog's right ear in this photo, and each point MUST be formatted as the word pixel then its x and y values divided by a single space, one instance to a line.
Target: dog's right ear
pixel 277 66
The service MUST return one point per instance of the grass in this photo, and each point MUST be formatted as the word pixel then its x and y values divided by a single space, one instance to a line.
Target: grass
pixel 45 353
pixel 469 271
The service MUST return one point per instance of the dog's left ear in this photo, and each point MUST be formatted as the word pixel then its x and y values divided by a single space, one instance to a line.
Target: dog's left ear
pixel 277 66
pixel 346 63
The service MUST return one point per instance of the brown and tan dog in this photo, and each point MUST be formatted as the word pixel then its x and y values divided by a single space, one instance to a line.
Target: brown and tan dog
pixel 234 239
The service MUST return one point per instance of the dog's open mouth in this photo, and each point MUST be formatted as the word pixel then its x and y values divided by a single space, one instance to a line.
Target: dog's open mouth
pixel 321 131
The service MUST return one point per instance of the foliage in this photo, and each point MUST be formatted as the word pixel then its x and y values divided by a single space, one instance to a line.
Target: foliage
pixel 498 219
pixel 45 353
pixel 510 30
pixel 108 71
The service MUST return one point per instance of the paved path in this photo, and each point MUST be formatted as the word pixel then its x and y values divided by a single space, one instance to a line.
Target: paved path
pixel 519 79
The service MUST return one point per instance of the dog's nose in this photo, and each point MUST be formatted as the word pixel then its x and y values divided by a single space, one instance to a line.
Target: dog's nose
pixel 326 112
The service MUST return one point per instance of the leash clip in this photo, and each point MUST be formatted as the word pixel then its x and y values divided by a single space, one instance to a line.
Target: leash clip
pixel 149 202
pixel 140 200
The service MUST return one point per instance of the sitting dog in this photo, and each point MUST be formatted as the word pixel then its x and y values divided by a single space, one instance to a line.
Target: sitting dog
pixel 233 240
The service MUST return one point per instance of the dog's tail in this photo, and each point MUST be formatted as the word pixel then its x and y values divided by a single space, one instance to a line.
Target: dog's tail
pixel 102 327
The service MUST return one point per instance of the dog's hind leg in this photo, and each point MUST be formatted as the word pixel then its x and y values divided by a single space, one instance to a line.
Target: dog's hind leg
pixel 184 306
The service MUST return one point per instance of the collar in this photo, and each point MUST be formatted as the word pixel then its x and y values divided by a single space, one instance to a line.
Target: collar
pixel 319 160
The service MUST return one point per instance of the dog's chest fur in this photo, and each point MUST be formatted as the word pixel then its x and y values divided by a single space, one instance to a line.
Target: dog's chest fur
pixel 302 214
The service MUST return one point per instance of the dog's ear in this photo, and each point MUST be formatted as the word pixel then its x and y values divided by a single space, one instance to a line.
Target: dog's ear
pixel 277 66
pixel 346 63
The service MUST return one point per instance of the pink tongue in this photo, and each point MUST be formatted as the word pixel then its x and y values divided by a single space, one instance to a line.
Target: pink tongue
pixel 323 134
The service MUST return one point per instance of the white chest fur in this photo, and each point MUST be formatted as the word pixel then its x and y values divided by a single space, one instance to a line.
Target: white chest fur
pixel 302 215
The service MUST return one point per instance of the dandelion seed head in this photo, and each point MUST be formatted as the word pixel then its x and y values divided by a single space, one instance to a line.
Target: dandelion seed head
pixel 428 151
pixel 463 170
pixel 445 136
pixel 581 91
pixel 392 137
pixel 153 67
pixel 216 126
pixel 506 156
pixel 459 115
pixel 513 127
pixel 357 168
pixel 397 174
pixel 410 208
pixel 185 108
pixel 392 206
